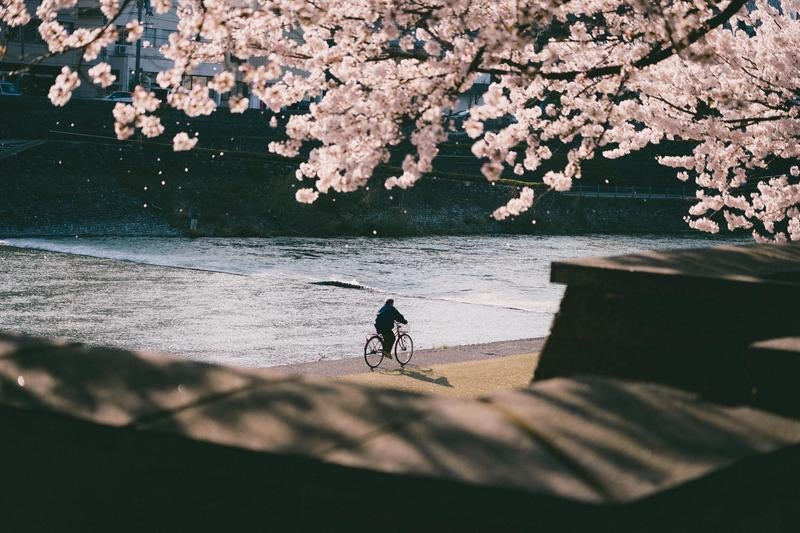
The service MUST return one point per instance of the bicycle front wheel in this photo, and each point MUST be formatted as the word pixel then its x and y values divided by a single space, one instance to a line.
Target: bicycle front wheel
pixel 404 348
pixel 373 351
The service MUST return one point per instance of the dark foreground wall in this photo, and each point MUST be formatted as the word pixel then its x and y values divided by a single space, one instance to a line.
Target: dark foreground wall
pixel 686 318
pixel 97 439
pixel 67 188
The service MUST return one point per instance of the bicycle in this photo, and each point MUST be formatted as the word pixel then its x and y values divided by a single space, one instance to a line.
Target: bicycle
pixel 403 347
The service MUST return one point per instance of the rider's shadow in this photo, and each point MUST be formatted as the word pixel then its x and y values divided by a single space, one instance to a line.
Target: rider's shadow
pixel 420 373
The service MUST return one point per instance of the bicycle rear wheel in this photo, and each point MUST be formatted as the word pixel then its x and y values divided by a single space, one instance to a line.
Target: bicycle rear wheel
pixel 373 351
pixel 404 348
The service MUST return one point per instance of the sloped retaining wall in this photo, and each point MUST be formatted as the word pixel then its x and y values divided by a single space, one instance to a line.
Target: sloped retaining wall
pixel 68 188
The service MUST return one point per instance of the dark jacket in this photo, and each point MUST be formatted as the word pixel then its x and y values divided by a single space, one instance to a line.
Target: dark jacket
pixel 387 315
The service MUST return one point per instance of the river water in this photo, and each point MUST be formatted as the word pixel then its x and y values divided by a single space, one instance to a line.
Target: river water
pixel 259 302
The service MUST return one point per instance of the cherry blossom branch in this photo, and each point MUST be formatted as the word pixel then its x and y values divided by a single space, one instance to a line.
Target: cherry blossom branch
pixel 49 55
pixel 657 54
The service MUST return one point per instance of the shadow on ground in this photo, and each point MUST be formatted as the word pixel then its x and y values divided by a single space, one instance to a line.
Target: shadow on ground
pixel 420 373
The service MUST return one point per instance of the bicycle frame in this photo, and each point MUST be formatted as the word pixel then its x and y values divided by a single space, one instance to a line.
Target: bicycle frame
pixel 399 333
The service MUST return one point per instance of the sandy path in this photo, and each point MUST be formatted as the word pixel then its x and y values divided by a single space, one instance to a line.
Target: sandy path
pixel 470 379
pixel 469 371
pixel 422 358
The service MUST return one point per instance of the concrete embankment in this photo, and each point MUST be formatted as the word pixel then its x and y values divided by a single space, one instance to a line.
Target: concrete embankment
pixel 100 436
pixel 93 188
pixel 63 190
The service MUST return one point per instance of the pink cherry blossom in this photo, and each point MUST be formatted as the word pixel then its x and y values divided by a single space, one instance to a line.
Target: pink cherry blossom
pixel 14 12
pixel 150 126
pixel 61 91
pixel 238 104
pixel 515 206
pixel 101 74
pixel 222 82
pixel 599 78
pixel 135 31
pixel 143 100
pixel 306 196
pixel 182 142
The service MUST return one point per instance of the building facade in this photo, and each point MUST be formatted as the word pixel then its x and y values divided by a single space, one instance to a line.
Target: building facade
pixel 24 47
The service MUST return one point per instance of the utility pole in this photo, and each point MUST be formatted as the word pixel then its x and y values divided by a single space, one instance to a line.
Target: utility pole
pixel 138 75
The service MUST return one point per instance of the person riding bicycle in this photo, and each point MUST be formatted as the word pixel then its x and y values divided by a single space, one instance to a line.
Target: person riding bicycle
pixel 384 323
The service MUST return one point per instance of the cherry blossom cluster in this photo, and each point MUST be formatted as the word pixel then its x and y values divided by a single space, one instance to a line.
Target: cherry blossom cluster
pixel 101 74
pixel 61 91
pixel 182 142
pixel 595 78
pixel 14 12
pixel 516 205
pixel 129 117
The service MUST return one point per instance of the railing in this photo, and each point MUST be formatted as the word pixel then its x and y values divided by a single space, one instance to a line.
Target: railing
pixel 644 192
pixel 9 148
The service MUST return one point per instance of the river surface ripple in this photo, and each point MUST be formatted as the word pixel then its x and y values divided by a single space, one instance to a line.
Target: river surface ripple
pixel 265 302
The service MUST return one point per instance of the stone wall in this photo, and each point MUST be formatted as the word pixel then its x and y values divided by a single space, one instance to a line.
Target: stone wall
pixel 51 191
pixel 68 187
pixel 685 318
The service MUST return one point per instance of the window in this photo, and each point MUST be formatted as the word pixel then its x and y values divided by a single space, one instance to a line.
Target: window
pixel 194 81
pixel 164 36
pixel 115 86
pixel 31 33
pixel 149 35
pixel 8 88
pixel 149 78
pixel 90 13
